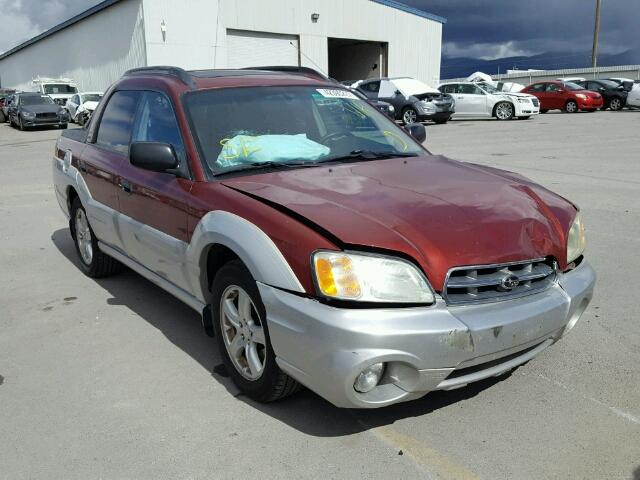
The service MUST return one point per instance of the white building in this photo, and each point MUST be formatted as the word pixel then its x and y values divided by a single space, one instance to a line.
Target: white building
pixel 347 39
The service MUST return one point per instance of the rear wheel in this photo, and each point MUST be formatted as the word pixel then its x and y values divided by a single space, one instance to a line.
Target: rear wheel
pixel 571 107
pixel 239 320
pixel 504 111
pixel 92 260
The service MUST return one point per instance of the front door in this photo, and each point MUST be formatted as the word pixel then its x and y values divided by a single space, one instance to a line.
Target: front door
pixel 154 204
pixel 470 100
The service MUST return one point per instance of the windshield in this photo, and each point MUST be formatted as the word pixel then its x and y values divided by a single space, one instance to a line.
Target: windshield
pixel 281 125
pixel 91 97
pixel 411 86
pixel 55 88
pixel 35 100
pixel 572 86
pixel 608 83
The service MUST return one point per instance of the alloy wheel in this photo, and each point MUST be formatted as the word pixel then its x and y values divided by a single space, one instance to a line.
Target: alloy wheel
pixel 504 111
pixel 615 104
pixel 242 332
pixel 409 116
pixel 83 236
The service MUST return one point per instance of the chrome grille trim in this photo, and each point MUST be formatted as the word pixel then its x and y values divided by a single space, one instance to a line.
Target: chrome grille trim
pixel 484 283
pixel 536 102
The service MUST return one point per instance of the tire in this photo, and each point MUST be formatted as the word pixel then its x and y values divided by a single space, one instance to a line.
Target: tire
pixel 441 122
pixel 503 111
pixel 3 118
pixel 261 379
pixel 64 126
pixel 20 125
pixel 571 106
pixel 93 261
pixel 409 115
pixel 524 118
pixel 544 110
pixel 616 104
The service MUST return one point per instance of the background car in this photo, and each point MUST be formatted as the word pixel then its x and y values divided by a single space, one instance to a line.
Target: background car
pixel 614 94
pixel 633 97
pixel 82 101
pixel 36 109
pixel 5 105
pixel 485 100
pixel 567 96
pixel 412 99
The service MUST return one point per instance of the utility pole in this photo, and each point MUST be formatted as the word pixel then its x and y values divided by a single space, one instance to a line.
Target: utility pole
pixel 596 32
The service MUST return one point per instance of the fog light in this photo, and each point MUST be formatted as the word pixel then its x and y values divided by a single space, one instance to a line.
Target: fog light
pixel 369 378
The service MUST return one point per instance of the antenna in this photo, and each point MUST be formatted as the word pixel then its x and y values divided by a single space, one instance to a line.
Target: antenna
pixel 314 63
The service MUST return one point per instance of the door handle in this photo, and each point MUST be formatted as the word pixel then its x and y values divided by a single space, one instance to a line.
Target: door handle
pixel 125 185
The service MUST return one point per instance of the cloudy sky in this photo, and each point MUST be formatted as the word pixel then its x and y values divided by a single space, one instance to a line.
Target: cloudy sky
pixel 476 28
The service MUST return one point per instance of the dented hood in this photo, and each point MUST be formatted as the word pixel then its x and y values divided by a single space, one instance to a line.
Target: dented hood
pixel 439 212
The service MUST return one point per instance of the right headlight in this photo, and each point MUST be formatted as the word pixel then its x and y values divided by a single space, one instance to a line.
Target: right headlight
pixel 26 114
pixel 576 241
pixel 369 278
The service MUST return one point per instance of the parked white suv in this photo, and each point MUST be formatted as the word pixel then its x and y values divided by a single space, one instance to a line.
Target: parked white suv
pixel 485 100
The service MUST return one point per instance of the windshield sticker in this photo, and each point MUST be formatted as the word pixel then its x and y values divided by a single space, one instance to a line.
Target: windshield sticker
pixel 335 93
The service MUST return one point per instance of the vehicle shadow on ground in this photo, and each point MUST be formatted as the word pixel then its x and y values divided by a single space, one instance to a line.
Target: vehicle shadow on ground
pixel 305 411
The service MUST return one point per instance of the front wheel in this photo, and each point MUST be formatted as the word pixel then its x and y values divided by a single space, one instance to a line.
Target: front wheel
pixel 92 260
pixel 615 104
pixel 571 107
pixel 20 125
pixel 441 122
pixel 544 110
pixel 504 111
pixel 239 320
pixel 409 115
pixel 64 126
pixel 524 118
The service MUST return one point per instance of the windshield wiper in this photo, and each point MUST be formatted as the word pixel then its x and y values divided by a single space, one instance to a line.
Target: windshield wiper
pixel 365 155
pixel 265 165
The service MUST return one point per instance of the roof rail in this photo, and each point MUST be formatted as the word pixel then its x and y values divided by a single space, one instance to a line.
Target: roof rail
pixel 177 72
pixel 291 69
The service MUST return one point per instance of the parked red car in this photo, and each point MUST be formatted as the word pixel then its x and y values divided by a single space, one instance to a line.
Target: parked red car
pixel 567 96
pixel 320 242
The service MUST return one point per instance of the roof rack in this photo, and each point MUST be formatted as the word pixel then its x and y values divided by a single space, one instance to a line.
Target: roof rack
pixel 177 72
pixel 291 69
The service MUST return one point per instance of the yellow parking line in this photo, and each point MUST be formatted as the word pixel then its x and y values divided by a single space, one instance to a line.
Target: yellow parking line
pixel 434 461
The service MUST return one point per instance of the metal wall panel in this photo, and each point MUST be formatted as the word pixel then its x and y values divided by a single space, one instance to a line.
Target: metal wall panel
pixel 254 49
pixel 94 52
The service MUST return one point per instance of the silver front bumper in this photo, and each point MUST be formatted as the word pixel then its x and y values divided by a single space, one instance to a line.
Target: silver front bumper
pixel 425 348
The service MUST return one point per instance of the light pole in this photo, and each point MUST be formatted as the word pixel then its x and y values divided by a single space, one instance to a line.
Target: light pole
pixel 596 32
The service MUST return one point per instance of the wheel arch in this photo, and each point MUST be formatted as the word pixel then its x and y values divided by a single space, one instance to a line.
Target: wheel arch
pixel 72 194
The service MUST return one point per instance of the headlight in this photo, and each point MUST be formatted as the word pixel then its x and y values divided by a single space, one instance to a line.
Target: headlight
pixel 581 95
pixel 576 242
pixel 369 278
pixel 28 114
pixel 523 100
pixel 391 109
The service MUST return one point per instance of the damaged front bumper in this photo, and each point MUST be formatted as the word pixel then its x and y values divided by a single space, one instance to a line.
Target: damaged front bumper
pixel 424 349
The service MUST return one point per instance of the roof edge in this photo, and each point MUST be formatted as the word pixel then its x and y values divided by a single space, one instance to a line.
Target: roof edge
pixel 61 26
pixel 414 11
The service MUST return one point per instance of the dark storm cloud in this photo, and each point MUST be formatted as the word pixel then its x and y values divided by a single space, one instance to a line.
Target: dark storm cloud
pixel 500 28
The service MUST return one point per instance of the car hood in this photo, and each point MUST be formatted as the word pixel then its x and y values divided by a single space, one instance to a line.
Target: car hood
pixel 514 94
pixel 91 106
pixel 438 212
pixel 44 108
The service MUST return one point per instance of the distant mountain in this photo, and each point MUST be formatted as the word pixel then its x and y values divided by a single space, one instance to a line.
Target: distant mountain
pixel 455 67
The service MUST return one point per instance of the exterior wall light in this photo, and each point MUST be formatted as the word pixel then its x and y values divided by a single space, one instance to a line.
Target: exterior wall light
pixel 163 29
pixel 315 17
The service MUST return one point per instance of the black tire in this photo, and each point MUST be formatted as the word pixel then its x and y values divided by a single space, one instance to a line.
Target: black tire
pixel 3 118
pixel 504 111
pixel 544 110
pixel 20 125
pixel 524 118
pixel 272 384
pixel 64 126
pixel 101 265
pixel 441 122
pixel 571 106
pixel 616 104
pixel 409 112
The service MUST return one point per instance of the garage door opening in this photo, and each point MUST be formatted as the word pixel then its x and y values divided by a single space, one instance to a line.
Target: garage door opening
pixel 351 59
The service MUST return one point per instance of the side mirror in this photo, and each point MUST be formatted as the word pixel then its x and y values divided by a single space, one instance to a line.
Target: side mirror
pixel 601 89
pixel 154 156
pixel 417 131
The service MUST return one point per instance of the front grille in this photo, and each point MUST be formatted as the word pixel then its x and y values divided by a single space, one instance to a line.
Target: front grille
pixel 535 101
pixel 486 283
pixel 47 116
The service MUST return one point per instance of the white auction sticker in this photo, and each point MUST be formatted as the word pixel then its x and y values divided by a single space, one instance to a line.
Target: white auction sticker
pixel 335 93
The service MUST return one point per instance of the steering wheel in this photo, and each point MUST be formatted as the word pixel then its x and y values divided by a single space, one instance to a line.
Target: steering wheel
pixel 335 136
